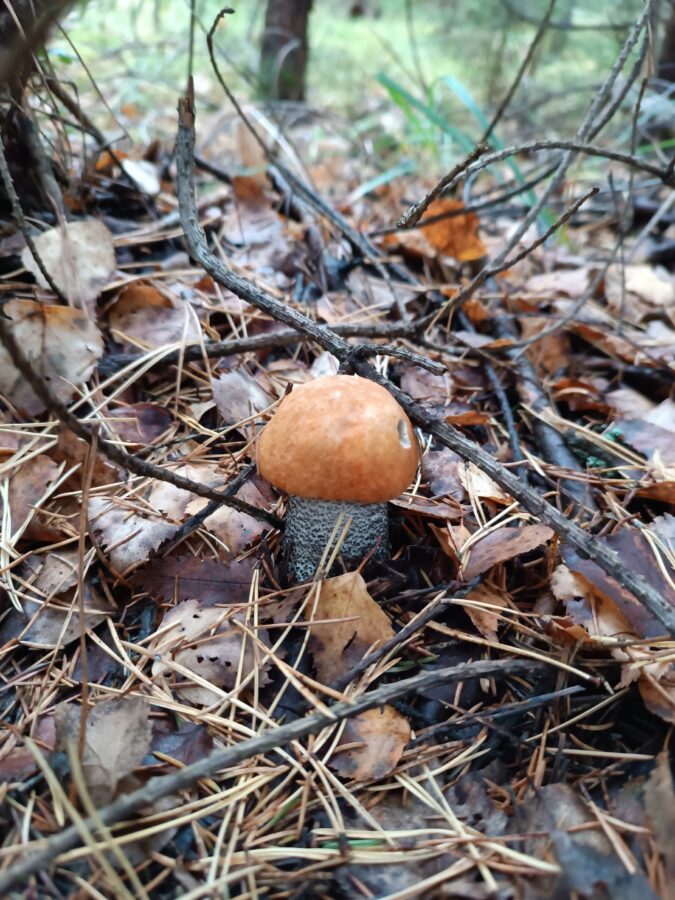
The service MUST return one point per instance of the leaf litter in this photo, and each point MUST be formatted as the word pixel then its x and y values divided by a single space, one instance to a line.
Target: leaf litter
pixel 126 655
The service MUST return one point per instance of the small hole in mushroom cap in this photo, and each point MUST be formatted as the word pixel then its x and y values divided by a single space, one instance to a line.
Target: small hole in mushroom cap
pixel 403 435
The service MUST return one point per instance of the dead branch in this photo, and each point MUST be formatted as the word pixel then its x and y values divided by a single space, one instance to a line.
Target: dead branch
pixel 163 786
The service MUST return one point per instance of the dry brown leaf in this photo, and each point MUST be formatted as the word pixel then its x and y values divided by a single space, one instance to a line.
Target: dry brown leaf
pixel 27 486
pixel 452 539
pixel 456 236
pixel 638 290
pixel 130 534
pixel 144 317
pixel 479 485
pixel 140 424
pixel 439 468
pixel 338 646
pixel 209 642
pixel 382 734
pixel 117 737
pixel 660 809
pixel 50 607
pixel 188 577
pixel 62 345
pixel 503 544
pixel 571 282
pixel 236 530
pixel 239 396
pixel 79 256
pixel 73 451
pixel 486 620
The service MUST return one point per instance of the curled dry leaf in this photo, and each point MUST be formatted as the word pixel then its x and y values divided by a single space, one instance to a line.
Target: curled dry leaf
pixel 61 344
pixel 79 256
pixel 381 734
pixel 339 645
pixel 213 644
pixel 144 317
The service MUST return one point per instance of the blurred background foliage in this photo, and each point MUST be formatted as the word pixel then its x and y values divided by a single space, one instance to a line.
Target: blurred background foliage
pixel 420 77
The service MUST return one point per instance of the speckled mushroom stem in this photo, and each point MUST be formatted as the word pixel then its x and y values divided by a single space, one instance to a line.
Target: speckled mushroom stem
pixel 311 523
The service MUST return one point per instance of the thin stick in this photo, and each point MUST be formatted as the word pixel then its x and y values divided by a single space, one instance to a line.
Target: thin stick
pixel 163 786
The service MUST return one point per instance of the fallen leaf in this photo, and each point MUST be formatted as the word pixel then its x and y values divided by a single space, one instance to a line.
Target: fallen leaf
pixel 660 809
pixel 239 396
pixel 190 743
pixel 144 317
pixel 62 345
pixel 439 468
pixel 503 544
pixel 480 485
pixel 117 737
pixel 50 615
pixel 236 530
pixel 208 581
pixel 73 451
pixel 79 256
pixel 140 424
pixel 208 642
pixel 571 282
pixel 144 175
pixel 338 646
pixel 27 486
pixel 382 734
pixel 130 534
pixel 484 616
pixel 635 291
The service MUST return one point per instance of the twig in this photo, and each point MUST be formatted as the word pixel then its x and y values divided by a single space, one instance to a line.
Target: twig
pixel 527 59
pixel 586 544
pixel 23 224
pixel 164 785
pixel 502 263
pixel 113 451
pixel 415 213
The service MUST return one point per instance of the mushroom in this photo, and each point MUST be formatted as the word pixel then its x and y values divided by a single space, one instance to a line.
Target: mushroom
pixel 339 445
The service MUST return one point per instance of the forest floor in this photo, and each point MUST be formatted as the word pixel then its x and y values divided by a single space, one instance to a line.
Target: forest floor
pixel 488 712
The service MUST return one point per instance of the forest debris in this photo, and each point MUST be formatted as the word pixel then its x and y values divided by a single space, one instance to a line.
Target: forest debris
pixel 79 256
pixel 62 344
pixel 239 396
pixel 337 646
pixel 480 608
pixel 636 291
pixel 129 533
pixel 660 808
pixel 381 735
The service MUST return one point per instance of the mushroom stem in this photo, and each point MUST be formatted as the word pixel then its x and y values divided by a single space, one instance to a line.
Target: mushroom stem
pixel 311 523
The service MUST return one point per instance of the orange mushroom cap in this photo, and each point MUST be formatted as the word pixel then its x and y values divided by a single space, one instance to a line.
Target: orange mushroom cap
pixel 341 437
